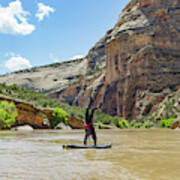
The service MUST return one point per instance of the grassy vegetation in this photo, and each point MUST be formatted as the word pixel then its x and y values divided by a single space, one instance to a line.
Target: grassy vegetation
pixel 92 72
pixel 8 114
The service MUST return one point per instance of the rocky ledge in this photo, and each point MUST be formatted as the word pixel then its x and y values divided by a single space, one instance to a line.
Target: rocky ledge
pixel 38 118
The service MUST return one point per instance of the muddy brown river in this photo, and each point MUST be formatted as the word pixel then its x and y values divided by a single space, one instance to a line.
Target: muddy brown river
pixel 136 154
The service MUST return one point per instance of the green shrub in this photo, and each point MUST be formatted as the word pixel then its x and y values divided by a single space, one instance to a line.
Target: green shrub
pixel 166 123
pixel 100 125
pixel 132 124
pixel 120 123
pixel 123 124
pixel 8 114
pixel 14 87
pixel 163 123
pixel 104 118
pixel 59 115
pixel 138 125
pixel 148 125
pixel 1 89
pixel 90 73
pixel 116 121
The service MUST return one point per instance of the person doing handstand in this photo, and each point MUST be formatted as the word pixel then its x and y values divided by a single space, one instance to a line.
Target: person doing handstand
pixel 89 128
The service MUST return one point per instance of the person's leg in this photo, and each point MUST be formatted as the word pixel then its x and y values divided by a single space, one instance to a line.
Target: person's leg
pixel 94 136
pixel 85 139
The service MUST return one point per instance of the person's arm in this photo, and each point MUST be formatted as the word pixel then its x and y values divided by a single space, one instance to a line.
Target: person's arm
pixel 87 110
pixel 87 114
pixel 92 113
pixel 90 102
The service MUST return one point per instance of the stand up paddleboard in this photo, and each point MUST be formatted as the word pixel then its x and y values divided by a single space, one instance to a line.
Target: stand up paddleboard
pixel 73 146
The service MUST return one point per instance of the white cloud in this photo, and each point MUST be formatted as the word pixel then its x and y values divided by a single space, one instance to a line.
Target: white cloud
pixel 43 11
pixel 77 57
pixel 13 19
pixel 17 63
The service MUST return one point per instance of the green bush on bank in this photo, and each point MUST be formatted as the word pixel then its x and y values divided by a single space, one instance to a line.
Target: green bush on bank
pixel 148 125
pixel 132 124
pixel 8 114
pixel 59 116
pixel 123 124
pixel 100 125
pixel 103 118
pixel 120 123
pixel 166 123
pixel 138 125
pixel 116 121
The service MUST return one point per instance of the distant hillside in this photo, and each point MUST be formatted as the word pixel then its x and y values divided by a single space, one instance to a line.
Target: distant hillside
pixel 49 77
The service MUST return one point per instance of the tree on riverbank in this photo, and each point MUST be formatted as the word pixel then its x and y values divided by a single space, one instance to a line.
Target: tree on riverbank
pixel 60 116
pixel 8 114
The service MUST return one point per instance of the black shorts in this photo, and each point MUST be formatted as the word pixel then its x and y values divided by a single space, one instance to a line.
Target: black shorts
pixel 90 131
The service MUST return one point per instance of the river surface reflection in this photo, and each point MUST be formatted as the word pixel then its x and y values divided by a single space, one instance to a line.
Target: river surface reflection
pixel 136 154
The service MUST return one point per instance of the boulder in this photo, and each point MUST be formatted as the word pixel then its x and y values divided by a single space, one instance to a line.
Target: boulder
pixel 63 126
pixel 176 124
pixel 26 128
pixel 75 123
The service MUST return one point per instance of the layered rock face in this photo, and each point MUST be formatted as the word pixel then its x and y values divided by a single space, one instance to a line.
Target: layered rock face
pixel 143 58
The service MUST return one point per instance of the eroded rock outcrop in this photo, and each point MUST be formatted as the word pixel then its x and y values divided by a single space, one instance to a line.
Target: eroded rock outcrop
pixel 28 114
pixel 143 58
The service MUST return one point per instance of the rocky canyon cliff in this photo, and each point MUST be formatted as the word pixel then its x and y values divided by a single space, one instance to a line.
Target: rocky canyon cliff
pixel 143 58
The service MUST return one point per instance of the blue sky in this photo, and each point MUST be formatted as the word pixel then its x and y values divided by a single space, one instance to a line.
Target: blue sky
pixel 39 32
